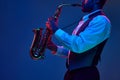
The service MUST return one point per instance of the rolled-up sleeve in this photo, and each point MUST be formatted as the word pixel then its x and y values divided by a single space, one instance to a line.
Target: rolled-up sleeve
pixel 97 31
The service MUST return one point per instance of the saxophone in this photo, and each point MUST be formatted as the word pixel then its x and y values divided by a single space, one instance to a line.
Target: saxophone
pixel 41 39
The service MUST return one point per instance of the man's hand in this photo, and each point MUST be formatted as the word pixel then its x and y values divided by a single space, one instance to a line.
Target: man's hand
pixel 51 46
pixel 52 24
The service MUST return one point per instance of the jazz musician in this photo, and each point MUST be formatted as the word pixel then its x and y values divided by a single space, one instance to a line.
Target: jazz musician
pixel 83 48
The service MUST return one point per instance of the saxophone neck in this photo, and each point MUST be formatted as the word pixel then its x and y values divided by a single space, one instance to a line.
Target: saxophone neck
pixel 59 9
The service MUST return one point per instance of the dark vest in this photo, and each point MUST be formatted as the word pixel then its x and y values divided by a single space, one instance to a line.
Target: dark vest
pixel 90 57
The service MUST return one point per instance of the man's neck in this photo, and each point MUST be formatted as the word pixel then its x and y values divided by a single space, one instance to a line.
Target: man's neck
pixel 96 7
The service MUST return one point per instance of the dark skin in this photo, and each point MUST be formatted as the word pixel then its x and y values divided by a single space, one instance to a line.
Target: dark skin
pixel 88 6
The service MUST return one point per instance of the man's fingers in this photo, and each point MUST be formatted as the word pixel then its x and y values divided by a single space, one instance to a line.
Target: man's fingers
pixel 47 24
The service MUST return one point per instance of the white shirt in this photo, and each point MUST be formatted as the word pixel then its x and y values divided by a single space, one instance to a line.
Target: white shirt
pixel 96 32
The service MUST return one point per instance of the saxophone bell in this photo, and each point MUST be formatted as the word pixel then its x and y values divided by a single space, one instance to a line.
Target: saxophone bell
pixel 34 50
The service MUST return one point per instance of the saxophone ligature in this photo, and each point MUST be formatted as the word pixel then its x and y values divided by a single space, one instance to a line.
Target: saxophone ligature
pixel 41 39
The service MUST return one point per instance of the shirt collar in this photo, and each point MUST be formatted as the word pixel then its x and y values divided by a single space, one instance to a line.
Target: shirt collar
pixel 86 17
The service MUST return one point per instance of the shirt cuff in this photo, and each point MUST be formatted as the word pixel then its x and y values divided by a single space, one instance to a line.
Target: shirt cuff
pixel 61 51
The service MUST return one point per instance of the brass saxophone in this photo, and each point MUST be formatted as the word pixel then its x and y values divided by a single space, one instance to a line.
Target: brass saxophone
pixel 41 39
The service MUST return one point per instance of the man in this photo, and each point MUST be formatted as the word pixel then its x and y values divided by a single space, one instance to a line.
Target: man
pixel 84 46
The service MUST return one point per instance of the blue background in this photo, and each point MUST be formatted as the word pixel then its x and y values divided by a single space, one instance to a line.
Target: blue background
pixel 19 17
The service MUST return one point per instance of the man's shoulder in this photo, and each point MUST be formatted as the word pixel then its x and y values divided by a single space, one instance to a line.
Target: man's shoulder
pixel 101 18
